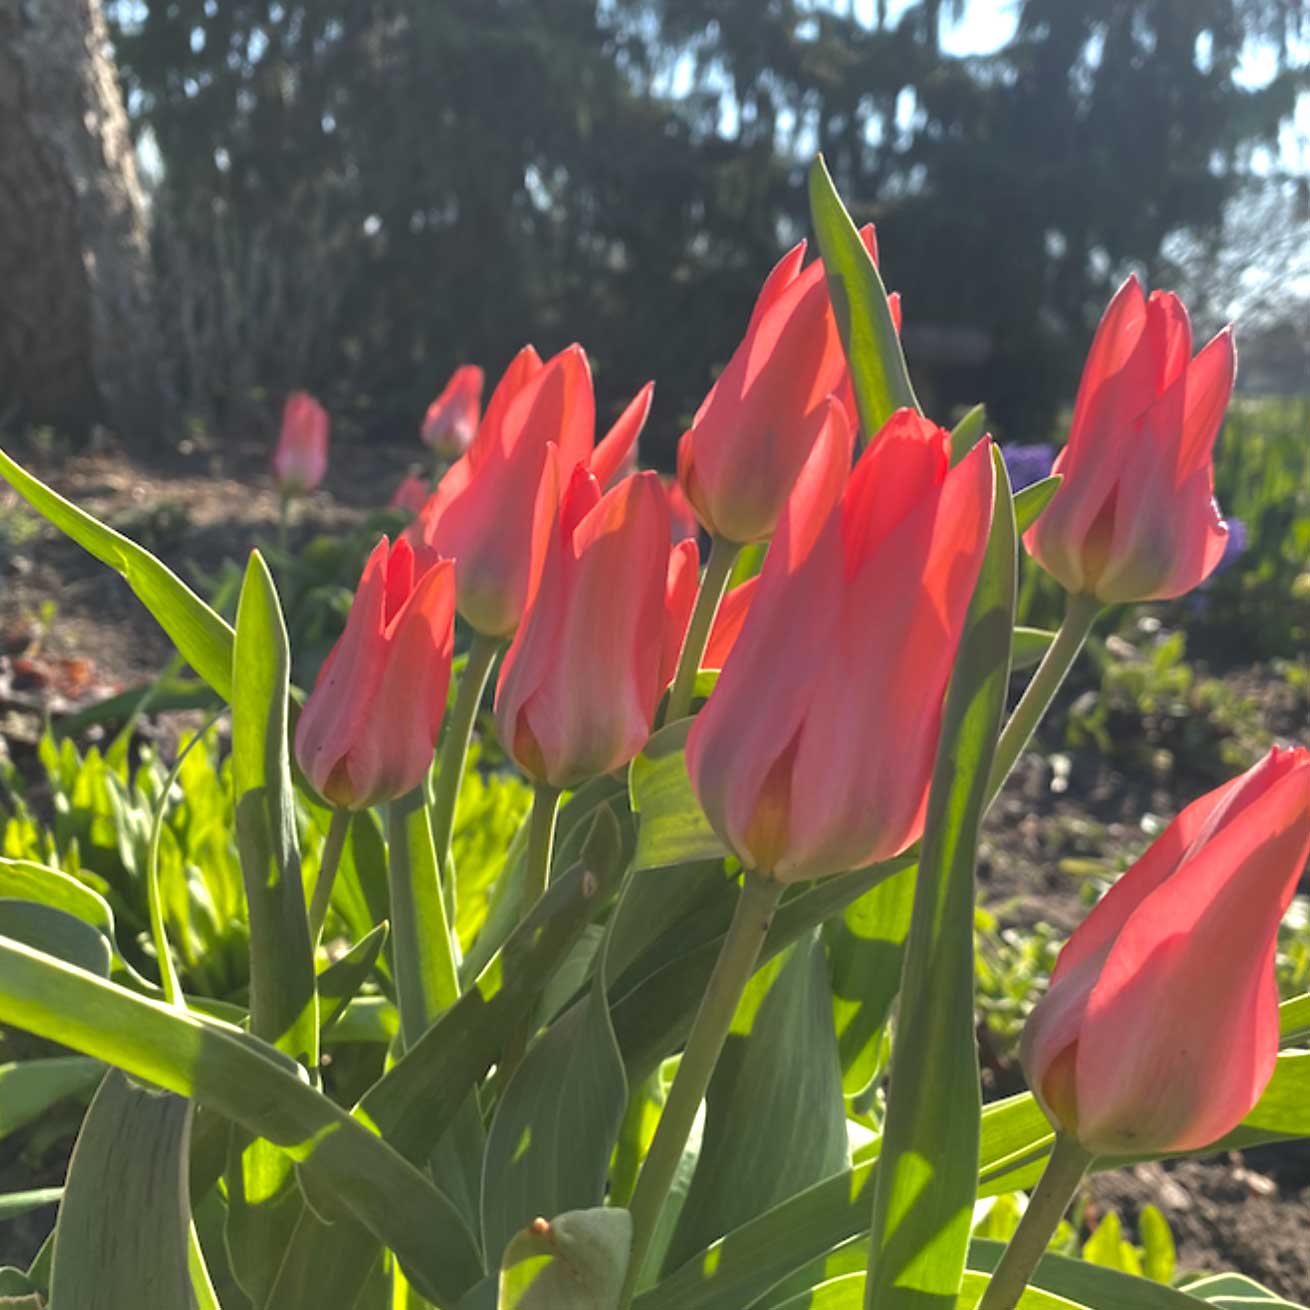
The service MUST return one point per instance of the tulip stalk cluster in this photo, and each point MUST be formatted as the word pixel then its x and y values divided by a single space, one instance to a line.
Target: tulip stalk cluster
pixel 715 771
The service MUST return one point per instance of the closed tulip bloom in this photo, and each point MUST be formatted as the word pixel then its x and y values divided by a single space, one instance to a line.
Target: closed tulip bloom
pixel 1160 1030
pixel 302 449
pixel 746 446
pixel 1135 518
pixel 411 495
pixel 814 752
pixel 579 685
pixel 452 419
pixel 492 511
pixel 369 727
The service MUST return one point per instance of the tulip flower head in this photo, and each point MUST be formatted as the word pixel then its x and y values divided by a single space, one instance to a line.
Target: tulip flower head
pixel 679 601
pixel 1160 1030
pixel 1135 517
pixel 452 419
pixel 492 512
pixel 369 727
pixel 751 436
pixel 579 684
pixel 300 460
pixel 814 752
pixel 411 495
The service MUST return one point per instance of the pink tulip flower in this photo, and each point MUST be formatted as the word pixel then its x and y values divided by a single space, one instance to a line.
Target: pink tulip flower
pixel 369 728
pixel 1135 518
pixel 814 752
pixel 1160 1030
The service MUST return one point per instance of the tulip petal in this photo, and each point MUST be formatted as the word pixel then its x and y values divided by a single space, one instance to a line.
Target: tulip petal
pixel 394 751
pixel 1209 386
pixel 344 691
pixel 902 617
pixel 728 623
pixel 557 404
pixel 522 369
pixel 1181 1028
pixel 679 601
pixel 614 448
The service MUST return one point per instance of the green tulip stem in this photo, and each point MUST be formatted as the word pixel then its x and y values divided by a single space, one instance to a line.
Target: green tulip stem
pixel 1050 1199
pixel 732 971
pixel 541 838
pixel 718 569
pixel 1081 614
pixel 454 752
pixel 330 860
pixel 536 876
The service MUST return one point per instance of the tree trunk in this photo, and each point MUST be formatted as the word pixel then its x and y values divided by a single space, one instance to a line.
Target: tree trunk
pixel 79 342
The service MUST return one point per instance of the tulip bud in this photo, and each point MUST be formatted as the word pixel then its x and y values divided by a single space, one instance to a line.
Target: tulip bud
pixel 579 684
pixel 493 509
pixel 369 728
pixel 814 752
pixel 1135 517
pixel 302 449
pixel 452 419
pixel 1160 1030
pixel 411 495
pixel 682 518
pixel 746 446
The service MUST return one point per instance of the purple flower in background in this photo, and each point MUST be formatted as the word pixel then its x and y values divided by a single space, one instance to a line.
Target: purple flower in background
pixel 1233 547
pixel 1028 464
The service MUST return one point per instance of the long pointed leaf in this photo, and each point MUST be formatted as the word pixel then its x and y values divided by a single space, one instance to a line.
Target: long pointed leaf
pixel 859 302
pixel 201 636
pixel 928 1172
pixel 250 1083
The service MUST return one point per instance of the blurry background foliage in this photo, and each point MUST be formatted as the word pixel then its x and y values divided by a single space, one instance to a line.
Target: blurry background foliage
pixel 355 195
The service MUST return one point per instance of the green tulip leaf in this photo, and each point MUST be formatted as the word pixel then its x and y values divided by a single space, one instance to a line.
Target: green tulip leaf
pixel 671 826
pixel 28 1089
pixel 1235 1292
pixel 1029 503
pixel 778 1080
pixel 264 1202
pixel 1030 644
pixel 927 1180
pixel 57 933
pixel 133 1251
pixel 13 1204
pixel 966 434
pixel 866 950
pixel 859 303
pixel 342 979
pixel 252 1084
pixel 201 636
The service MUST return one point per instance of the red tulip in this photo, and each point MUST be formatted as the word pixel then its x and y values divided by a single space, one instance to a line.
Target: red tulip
pixel 1135 517
pixel 814 752
pixel 302 449
pixel 750 438
pixel 679 601
pixel 452 419
pixel 369 727
pixel 579 685
pixel 1160 1029
pixel 728 622
pixel 411 495
pixel 492 512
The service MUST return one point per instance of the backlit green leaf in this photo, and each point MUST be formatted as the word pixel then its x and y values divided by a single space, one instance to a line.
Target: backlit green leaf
pixel 131 1251
pixel 859 302
pixel 202 638
pixel 927 1178
pixel 574 1262
pixel 671 826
